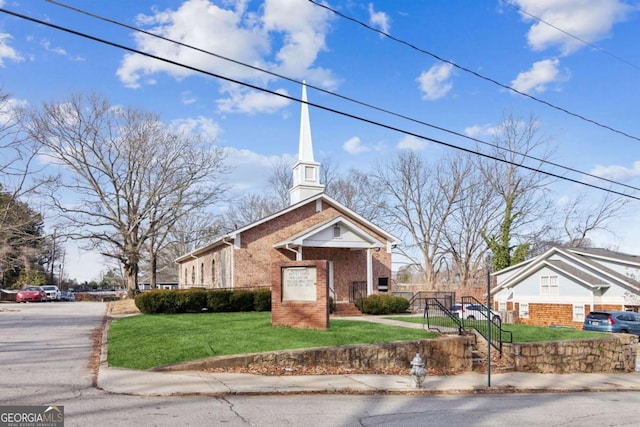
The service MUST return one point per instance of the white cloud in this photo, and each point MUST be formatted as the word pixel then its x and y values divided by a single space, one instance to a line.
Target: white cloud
pixel 588 20
pixel 203 126
pixel 251 170
pixel 284 36
pixel 46 44
pixel 541 74
pixel 188 97
pixel 247 101
pixel 379 20
pixel 435 82
pixel 410 142
pixel 7 52
pixel 478 131
pixel 355 146
pixel 616 172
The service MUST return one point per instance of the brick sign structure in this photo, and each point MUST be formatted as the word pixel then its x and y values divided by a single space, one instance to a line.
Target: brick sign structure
pixel 300 294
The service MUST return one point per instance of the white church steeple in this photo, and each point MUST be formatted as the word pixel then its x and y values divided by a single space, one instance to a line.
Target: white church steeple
pixel 306 172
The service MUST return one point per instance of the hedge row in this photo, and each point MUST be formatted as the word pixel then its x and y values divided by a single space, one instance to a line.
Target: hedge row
pixel 197 300
pixel 382 304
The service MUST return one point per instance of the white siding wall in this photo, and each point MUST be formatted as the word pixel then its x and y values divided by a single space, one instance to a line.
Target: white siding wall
pixel 528 290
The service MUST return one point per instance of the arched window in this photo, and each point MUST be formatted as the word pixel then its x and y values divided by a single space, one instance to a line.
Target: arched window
pixel 202 273
pixel 213 272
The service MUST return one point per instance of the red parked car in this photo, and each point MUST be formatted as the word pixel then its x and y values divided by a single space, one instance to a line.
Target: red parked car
pixel 31 293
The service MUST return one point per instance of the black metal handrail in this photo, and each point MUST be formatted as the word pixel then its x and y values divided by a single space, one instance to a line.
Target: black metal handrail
pixel 417 302
pixel 357 290
pixel 439 317
pixel 488 323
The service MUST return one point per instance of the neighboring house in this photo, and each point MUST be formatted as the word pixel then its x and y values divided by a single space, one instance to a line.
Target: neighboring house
pixel 166 278
pixel 313 227
pixel 562 285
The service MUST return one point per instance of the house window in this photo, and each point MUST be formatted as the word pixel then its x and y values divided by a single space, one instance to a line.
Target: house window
pixel 193 275
pixel 336 231
pixel 202 273
pixel 502 306
pixel 523 312
pixel 549 285
pixel 185 276
pixel 578 312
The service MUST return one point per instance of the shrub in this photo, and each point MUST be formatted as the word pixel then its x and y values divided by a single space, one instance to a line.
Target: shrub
pixel 194 300
pixel 219 301
pixel 242 300
pixel 382 304
pixel 262 300
pixel 152 301
pixel 191 301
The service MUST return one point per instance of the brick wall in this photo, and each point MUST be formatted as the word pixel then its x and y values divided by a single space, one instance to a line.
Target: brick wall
pixel 253 260
pixel 300 314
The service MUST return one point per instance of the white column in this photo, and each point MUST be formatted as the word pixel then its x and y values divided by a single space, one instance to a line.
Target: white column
pixel 369 273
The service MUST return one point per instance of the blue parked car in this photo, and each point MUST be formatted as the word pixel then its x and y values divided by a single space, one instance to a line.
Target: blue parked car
pixel 612 321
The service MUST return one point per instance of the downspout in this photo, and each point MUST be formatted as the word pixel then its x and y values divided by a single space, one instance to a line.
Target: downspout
pixel 233 281
pixel 298 252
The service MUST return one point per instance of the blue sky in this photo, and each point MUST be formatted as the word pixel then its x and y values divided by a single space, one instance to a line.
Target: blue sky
pixel 579 55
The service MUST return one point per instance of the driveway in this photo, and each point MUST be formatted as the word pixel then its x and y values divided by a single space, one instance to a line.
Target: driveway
pixel 45 349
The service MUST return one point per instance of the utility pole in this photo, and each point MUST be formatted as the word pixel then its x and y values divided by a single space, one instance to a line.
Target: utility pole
pixel 489 320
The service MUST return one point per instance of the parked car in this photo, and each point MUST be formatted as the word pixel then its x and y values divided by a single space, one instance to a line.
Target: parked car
pixel 474 312
pixel 31 294
pixel 53 293
pixel 612 321
pixel 67 296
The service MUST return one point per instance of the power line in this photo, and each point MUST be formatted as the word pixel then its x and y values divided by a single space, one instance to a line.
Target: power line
pixel 130 27
pixel 475 73
pixel 321 107
pixel 586 43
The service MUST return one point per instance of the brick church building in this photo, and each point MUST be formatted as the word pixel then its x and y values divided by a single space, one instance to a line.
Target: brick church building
pixel 313 227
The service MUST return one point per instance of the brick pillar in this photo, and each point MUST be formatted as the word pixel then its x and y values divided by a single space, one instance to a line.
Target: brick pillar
pixel 297 305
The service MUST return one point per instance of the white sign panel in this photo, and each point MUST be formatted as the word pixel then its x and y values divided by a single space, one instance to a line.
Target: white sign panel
pixel 299 284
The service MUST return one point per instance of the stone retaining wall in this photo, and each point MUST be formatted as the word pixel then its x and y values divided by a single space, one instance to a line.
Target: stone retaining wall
pixel 615 353
pixel 447 355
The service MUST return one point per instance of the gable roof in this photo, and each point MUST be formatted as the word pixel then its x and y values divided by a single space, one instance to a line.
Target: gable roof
pixel 579 260
pixel 228 238
pixel 299 238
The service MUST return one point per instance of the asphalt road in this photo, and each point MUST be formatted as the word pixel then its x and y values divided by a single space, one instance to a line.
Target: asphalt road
pixel 44 360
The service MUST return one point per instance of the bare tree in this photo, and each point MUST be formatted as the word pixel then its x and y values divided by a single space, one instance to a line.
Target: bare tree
pixel 356 190
pixel 522 191
pixel 477 210
pixel 22 240
pixel 130 175
pixel 420 200
pixel 280 181
pixel 582 217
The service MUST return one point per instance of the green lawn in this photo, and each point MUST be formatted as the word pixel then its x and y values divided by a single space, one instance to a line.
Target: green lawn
pixel 145 341
pixel 525 333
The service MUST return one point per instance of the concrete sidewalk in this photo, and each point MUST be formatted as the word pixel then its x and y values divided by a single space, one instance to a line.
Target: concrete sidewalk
pixel 149 383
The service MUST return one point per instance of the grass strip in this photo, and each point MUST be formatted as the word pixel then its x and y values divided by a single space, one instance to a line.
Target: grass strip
pixel 146 341
pixel 525 333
